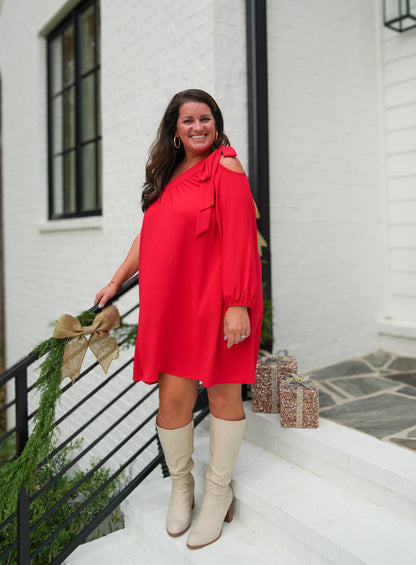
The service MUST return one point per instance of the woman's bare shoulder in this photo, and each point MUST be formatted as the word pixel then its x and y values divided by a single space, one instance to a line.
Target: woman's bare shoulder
pixel 232 163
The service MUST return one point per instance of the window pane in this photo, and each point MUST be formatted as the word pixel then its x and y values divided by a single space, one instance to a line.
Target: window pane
pixel 88 178
pixel 75 112
pixel 56 64
pixel 69 117
pixel 69 188
pixel 57 124
pixel 87 40
pixel 69 59
pixel 57 185
pixel 88 107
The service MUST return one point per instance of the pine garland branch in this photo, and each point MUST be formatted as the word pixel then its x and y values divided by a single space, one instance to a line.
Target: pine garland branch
pixel 127 334
pixel 21 472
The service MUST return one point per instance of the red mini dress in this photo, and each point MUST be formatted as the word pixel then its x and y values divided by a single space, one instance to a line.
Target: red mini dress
pixel 198 256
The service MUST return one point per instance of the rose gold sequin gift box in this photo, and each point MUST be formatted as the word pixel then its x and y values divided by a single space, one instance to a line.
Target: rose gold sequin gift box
pixel 299 398
pixel 269 374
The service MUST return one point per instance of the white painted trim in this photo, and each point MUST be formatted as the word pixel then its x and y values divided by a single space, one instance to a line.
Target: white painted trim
pixel 57 17
pixel 92 223
pixel 385 256
pixel 398 328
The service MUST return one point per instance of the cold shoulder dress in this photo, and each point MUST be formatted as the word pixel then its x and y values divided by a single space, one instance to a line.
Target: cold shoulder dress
pixel 198 256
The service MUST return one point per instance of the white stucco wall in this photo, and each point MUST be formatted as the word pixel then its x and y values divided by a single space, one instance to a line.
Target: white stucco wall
pixel 326 179
pixel 398 320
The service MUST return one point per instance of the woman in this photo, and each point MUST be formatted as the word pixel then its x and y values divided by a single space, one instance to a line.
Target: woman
pixel 200 301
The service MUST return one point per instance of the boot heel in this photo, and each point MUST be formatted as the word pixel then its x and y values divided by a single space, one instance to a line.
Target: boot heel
pixel 229 516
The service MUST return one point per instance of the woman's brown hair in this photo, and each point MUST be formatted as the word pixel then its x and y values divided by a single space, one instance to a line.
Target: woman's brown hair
pixel 163 157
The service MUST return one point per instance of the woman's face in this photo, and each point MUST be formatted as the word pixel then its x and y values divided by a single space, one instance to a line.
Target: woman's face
pixel 196 128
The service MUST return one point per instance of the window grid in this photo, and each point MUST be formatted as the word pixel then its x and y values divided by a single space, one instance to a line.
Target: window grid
pixel 69 175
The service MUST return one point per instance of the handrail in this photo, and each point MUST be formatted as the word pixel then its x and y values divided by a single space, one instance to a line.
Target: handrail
pixel 18 372
pixel 34 355
pixel 17 367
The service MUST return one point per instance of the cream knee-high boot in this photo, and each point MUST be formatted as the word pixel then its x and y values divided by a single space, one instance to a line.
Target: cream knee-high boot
pixel 178 446
pixel 225 441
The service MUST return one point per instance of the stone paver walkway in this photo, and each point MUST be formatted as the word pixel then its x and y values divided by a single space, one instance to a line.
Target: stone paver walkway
pixel 375 394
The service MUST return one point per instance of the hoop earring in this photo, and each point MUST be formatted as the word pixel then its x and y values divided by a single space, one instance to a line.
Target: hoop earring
pixel 178 140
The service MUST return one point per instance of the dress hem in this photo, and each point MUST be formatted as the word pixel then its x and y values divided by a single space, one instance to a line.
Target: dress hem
pixel 248 381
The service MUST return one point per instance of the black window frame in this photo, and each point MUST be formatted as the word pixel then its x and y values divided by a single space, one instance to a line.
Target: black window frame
pixel 74 19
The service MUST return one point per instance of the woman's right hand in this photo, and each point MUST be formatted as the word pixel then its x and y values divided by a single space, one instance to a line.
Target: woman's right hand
pixel 104 295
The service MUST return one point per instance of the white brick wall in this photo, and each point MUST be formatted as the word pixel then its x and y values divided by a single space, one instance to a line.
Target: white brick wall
pixel 327 205
pixel 150 50
pixel 326 184
pixel 398 319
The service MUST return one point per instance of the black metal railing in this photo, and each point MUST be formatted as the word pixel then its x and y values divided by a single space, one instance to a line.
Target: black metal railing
pixel 25 522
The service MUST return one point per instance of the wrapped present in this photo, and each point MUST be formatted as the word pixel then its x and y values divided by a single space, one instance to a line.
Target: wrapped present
pixel 270 372
pixel 299 398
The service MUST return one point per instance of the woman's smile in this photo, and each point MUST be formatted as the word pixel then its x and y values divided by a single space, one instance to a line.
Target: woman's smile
pixel 196 128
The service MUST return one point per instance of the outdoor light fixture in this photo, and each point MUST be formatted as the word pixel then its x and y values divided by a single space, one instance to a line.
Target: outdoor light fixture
pixel 399 15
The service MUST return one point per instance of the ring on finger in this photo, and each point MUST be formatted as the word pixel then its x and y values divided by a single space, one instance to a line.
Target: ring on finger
pixel 243 336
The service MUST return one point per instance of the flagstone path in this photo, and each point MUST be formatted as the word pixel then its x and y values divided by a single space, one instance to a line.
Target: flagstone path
pixel 375 394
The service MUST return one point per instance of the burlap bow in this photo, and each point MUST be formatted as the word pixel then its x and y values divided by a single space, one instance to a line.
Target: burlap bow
pixel 101 343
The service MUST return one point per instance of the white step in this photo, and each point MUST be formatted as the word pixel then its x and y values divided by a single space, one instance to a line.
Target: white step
pixel 326 496
pixel 145 516
pixel 382 472
pixel 314 520
pixel 283 515
pixel 116 548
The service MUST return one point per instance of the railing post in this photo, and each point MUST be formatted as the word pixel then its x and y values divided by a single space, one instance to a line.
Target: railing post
pixel 22 436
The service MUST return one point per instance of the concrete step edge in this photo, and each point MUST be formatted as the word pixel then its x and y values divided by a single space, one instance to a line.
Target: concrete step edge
pixel 117 547
pixel 384 472
pixel 272 491
pixel 145 515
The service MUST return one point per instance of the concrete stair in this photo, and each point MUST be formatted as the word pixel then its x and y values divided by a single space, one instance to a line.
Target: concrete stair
pixel 326 496
pixel 115 549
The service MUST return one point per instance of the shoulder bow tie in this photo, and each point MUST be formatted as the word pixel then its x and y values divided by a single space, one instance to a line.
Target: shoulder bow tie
pixel 207 189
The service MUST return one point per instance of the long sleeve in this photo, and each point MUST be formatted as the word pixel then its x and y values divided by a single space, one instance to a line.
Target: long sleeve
pixel 237 223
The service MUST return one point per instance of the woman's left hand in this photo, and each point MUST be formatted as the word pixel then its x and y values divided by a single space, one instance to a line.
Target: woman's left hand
pixel 236 325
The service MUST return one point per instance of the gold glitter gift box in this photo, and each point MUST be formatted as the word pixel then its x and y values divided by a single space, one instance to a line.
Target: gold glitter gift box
pixel 269 374
pixel 299 398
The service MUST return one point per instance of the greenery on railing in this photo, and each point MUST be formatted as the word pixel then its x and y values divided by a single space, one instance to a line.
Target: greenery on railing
pixel 21 472
pixel 7 449
pixel 64 511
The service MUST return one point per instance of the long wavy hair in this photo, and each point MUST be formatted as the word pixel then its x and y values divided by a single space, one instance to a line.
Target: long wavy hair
pixel 163 157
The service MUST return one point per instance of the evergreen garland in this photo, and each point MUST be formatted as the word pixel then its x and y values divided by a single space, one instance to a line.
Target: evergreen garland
pixel 21 472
